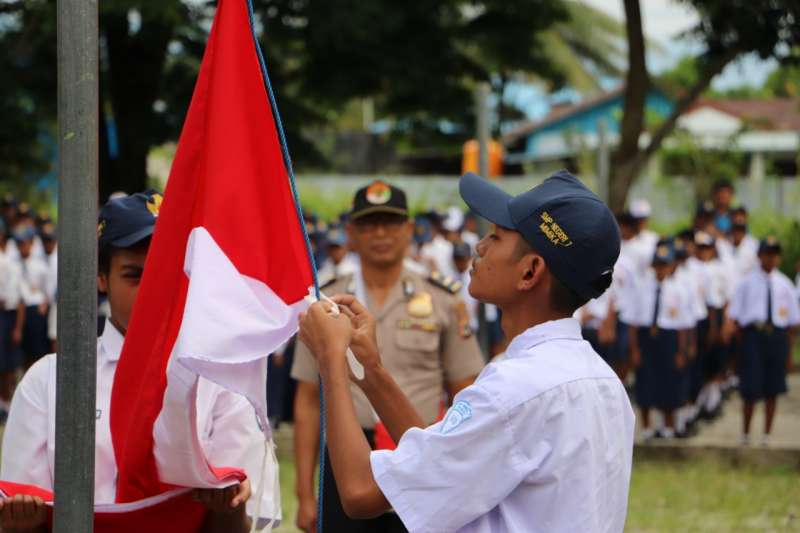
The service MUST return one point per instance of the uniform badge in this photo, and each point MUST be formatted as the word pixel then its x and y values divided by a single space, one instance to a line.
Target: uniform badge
pixel 672 312
pixel 421 305
pixel 783 312
pixel 379 193
pixel 457 415
pixel 462 315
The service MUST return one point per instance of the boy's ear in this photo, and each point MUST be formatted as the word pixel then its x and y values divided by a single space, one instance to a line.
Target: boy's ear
pixel 102 282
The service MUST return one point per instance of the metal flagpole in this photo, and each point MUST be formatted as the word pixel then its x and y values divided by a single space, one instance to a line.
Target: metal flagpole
pixel 77 273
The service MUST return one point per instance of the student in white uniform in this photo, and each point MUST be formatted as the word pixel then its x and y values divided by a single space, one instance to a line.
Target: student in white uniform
pixel 226 420
pixel 12 319
pixel 766 312
pixel 339 262
pixel 33 288
pixel 713 351
pixel 640 210
pixel 542 441
pixel 658 342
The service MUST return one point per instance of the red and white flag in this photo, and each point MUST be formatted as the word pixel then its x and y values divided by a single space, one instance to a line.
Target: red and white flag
pixel 225 278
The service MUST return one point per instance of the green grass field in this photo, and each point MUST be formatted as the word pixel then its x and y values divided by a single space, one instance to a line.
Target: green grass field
pixel 699 496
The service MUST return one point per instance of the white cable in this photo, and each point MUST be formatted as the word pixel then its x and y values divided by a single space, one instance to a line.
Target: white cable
pixel 261 487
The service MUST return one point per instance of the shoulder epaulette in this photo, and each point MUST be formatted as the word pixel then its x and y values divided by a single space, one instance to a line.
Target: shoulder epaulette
pixel 444 282
pixel 327 282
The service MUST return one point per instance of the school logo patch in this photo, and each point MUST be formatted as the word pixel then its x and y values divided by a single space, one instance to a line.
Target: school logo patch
pixel 154 204
pixel 457 415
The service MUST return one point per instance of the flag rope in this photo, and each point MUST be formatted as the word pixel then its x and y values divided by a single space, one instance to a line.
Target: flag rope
pixel 290 171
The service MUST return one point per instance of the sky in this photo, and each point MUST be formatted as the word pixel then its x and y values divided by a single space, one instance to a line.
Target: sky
pixel 664 21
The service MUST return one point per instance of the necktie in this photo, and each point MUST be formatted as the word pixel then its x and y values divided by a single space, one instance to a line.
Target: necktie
pixel 769 302
pixel 656 307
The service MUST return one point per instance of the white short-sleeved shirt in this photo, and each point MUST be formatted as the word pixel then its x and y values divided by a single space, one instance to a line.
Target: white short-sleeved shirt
pixel 230 433
pixel 10 290
pixel 749 302
pixel 541 442
pixel 690 275
pixel 714 283
pixel 34 280
pixel 675 310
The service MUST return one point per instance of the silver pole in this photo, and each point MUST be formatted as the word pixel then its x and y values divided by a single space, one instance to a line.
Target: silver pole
pixel 483 133
pixel 77 273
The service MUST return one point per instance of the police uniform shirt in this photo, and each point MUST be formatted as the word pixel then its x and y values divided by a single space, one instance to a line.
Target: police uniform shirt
pixel 749 303
pixel 526 448
pixel 424 342
pixel 34 281
pixel 230 434
pixel 675 311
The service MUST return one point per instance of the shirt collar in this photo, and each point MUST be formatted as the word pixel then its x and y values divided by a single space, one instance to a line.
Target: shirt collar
pixel 111 340
pixel 565 328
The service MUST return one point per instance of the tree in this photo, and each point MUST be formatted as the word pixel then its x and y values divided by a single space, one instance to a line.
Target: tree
pixel 728 29
pixel 417 60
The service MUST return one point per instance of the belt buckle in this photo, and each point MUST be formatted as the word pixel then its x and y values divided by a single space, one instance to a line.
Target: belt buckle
pixel 768 329
pixel 759 326
pixel 653 331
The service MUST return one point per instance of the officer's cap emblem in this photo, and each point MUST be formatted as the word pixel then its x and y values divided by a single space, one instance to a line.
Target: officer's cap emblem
pixel 379 193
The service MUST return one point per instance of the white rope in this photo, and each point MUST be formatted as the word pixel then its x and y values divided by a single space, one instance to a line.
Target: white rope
pixel 260 493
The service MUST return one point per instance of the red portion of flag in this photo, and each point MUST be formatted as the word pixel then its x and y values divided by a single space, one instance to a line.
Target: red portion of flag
pixel 229 177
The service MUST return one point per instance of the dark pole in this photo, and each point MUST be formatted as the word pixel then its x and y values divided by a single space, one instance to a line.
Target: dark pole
pixel 77 271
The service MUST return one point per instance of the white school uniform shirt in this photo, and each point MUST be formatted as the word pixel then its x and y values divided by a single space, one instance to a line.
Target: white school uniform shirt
pixel 749 303
pixel 743 258
pixel 470 302
pixel 675 310
pixel 595 311
pixel 541 442
pixel 330 271
pixel 689 275
pixel 715 283
pixel 624 289
pixel 51 288
pixel 10 290
pixel 230 433
pixel 33 281
pixel 440 252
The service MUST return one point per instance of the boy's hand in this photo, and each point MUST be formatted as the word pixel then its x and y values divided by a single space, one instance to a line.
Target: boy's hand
pixel 636 357
pixel 225 500
pixel 22 513
pixel 680 360
pixel 364 341
pixel 326 335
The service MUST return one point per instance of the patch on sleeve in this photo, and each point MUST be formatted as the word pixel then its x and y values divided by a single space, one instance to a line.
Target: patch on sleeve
pixel 457 415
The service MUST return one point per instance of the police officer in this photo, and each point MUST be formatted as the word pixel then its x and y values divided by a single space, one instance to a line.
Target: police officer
pixel 543 440
pixel 423 332
pixel 765 309
pixel 228 428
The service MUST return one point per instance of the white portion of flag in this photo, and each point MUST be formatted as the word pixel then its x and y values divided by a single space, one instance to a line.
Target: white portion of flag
pixel 231 324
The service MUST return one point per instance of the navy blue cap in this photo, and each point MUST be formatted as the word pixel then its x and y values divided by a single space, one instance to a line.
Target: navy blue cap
pixel 23 233
pixel 335 236
pixel 422 229
pixel 664 254
pixel 769 244
pixel 126 221
pixel 562 220
pixel 461 250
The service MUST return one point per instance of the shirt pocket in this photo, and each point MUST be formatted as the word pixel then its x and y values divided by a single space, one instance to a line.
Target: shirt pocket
pixel 417 341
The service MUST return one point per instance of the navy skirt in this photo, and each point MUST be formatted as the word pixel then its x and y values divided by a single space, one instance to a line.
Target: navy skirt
pixel 659 382
pixel 762 363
